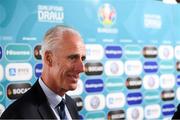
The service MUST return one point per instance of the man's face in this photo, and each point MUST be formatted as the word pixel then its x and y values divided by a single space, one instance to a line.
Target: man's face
pixel 68 63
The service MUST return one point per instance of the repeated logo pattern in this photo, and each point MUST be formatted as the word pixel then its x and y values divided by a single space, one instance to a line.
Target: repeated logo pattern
pixel 123 78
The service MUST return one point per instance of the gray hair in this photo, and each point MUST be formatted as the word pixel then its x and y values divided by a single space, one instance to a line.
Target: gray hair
pixel 55 34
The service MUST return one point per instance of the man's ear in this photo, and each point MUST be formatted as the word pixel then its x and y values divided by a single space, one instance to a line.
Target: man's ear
pixel 48 58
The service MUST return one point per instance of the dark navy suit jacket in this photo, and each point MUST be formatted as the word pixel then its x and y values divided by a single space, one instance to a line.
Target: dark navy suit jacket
pixel 177 113
pixel 34 105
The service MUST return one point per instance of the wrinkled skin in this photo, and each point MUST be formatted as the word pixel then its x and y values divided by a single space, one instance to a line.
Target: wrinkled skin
pixel 62 67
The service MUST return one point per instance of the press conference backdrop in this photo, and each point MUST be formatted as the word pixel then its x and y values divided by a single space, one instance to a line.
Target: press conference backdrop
pixel 133 54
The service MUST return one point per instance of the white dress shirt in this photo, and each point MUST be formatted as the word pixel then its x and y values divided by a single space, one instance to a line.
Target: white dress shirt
pixel 53 100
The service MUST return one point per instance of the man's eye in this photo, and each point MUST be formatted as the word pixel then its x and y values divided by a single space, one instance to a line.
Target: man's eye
pixel 83 58
pixel 72 57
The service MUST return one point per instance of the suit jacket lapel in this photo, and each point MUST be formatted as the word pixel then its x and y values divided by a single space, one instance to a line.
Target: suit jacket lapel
pixel 71 108
pixel 45 111
pixel 43 106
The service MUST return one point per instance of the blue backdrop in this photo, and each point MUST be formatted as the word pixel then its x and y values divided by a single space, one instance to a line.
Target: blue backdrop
pixel 133 54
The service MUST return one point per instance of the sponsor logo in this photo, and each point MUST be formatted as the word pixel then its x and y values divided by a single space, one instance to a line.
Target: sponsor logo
pixel 95 116
pixel 150 67
pixel 0 52
pixel 132 51
pixel 94 52
pixel 37 52
pixel 115 100
pixel 2 108
pixel 114 84
pixel 133 83
pixel 178 80
pixel 151 81
pixel 177 52
pixel 49 13
pixel 17 52
pixel 15 91
pixel 135 113
pixel 152 97
pixel 133 67
pixel 94 85
pixel 167 95
pixel 79 102
pixel 93 68
pixel 114 68
pixel 152 21
pixel 95 102
pixel 78 90
pixel 18 71
pixel 116 115
pixel 107 17
pixel 1 92
pixel 150 52
pixel 134 98
pixel 113 52
pixel 166 52
pixel 38 70
pixel 152 111
pixel 168 109
pixel 178 93
pixel 167 81
pixel 1 72
pixel 178 66
pixel 166 66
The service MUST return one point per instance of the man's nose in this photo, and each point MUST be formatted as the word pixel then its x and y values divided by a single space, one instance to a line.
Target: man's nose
pixel 80 66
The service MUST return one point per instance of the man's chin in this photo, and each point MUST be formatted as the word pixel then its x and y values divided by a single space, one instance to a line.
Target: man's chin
pixel 73 87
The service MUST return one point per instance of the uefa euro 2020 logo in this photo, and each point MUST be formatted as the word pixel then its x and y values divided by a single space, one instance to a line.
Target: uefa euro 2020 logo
pixel 107 15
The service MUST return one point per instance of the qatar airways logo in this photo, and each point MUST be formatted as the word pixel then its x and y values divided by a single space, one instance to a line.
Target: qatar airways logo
pixel 49 13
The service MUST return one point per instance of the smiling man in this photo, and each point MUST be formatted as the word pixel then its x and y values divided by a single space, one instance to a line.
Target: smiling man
pixel 63 53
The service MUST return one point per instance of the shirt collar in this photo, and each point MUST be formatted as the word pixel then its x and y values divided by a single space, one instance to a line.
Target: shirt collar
pixel 52 97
